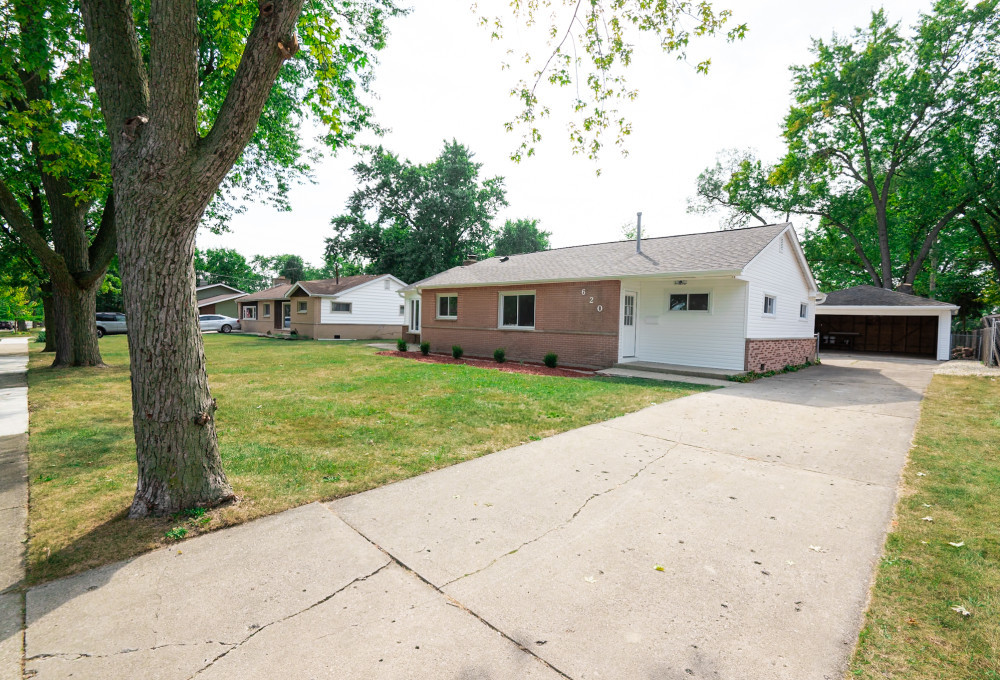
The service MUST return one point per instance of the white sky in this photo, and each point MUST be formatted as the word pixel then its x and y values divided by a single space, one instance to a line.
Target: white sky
pixel 440 78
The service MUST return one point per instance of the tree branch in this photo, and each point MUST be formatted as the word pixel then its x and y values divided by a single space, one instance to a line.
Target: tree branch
pixel 918 261
pixel 173 72
pixel 116 61
pixel 12 213
pixel 272 38
pixel 104 246
pixel 990 250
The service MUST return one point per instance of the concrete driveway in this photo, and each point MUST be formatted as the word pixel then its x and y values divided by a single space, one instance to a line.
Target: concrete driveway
pixel 730 534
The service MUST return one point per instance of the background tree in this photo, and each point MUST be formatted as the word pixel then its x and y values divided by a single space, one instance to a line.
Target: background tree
pixel 54 187
pixel 891 138
pixel 225 265
pixel 521 236
pixel 413 221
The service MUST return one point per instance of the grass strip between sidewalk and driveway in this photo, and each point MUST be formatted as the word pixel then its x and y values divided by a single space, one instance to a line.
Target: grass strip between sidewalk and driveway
pixel 298 422
pixel 942 557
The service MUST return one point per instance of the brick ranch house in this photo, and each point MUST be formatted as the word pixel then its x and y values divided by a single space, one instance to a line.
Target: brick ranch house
pixel 350 307
pixel 743 299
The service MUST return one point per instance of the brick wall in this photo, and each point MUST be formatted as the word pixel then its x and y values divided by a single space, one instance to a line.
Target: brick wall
pixel 771 355
pixel 567 322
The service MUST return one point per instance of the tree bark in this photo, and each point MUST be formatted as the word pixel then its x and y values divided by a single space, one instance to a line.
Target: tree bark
pixel 172 408
pixel 75 321
pixel 48 302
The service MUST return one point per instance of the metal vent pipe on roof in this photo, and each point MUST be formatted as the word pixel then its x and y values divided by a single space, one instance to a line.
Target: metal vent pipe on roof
pixel 638 232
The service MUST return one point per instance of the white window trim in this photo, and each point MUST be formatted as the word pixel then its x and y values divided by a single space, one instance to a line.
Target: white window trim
pixel 502 294
pixel 806 317
pixel 414 322
pixel 774 314
pixel 267 307
pixel 437 306
pixel 252 317
pixel 298 307
pixel 689 293
pixel 349 310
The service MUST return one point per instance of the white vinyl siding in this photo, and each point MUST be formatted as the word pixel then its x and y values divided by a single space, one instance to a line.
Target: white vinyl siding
pixel 713 338
pixel 371 303
pixel 776 272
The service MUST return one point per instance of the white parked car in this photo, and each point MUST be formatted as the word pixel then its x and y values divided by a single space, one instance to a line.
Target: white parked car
pixel 110 322
pixel 217 322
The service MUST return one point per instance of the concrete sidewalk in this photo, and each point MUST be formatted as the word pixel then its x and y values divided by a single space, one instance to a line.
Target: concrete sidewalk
pixel 730 534
pixel 13 500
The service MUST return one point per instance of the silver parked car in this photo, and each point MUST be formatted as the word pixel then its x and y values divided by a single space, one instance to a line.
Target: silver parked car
pixel 217 322
pixel 109 323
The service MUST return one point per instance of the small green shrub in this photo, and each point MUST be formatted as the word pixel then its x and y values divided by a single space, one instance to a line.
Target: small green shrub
pixel 40 337
pixel 401 345
pixel 294 332
pixel 425 348
pixel 457 351
pixel 551 359
pixel 499 355
pixel 176 534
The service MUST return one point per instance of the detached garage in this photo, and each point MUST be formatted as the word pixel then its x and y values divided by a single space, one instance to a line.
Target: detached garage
pixel 870 319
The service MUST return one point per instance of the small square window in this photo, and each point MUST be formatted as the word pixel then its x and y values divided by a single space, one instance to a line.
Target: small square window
pixel 769 305
pixel 267 309
pixel 303 306
pixel 402 309
pixel 803 311
pixel 678 302
pixel 340 307
pixel 250 313
pixel 448 307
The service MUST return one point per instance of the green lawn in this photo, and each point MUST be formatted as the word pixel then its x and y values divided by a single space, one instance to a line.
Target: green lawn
pixel 911 630
pixel 298 422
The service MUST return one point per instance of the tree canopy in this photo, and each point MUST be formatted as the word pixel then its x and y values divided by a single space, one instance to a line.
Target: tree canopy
pixel 413 220
pixel 521 236
pixel 891 139
pixel 226 265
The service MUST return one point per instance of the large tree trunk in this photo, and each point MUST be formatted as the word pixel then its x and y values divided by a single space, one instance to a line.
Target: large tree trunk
pixel 50 318
pixel 76 326
pixel 172 408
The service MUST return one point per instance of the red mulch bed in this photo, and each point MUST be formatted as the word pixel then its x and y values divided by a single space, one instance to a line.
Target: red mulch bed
pixel 507 366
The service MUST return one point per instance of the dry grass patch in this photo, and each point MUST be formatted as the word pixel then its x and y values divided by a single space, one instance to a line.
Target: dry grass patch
pixel 911 628
pixel 298 422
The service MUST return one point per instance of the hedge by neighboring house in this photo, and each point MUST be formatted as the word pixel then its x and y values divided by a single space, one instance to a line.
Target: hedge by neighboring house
pixel 349 307
pixel 218 298
pixel 742 299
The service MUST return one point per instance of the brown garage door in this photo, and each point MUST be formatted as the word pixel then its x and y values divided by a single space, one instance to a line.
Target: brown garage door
pixel 915 335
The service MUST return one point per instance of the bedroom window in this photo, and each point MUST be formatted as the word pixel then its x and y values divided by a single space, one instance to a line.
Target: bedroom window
pixel 769 305
pixel 803 311
pixel 517 310
pixel 250 313
pixel 267 310
pixel 689 302
pixel 340 307
pixel 303 307
pixel 447 307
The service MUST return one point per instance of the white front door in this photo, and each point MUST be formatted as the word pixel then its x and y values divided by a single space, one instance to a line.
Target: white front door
pixel 630 305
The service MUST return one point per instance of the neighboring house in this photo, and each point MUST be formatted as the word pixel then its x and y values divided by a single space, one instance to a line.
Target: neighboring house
pixel 218 298
pixel 351 307
pixel 870 319
pixel 739 299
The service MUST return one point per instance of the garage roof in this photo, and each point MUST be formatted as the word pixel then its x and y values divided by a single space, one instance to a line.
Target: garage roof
pixel 870 296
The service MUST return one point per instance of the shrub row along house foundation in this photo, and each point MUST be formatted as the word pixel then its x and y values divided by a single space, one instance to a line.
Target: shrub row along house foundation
pixel 350 307
pixel 742 299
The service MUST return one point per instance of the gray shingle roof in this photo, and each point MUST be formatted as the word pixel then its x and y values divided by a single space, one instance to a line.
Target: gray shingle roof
pixel 333 286
pixel 870 296
pixel 273 293
pixel 728 250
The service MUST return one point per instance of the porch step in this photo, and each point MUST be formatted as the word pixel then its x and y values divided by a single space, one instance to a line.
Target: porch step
pixel 678 369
